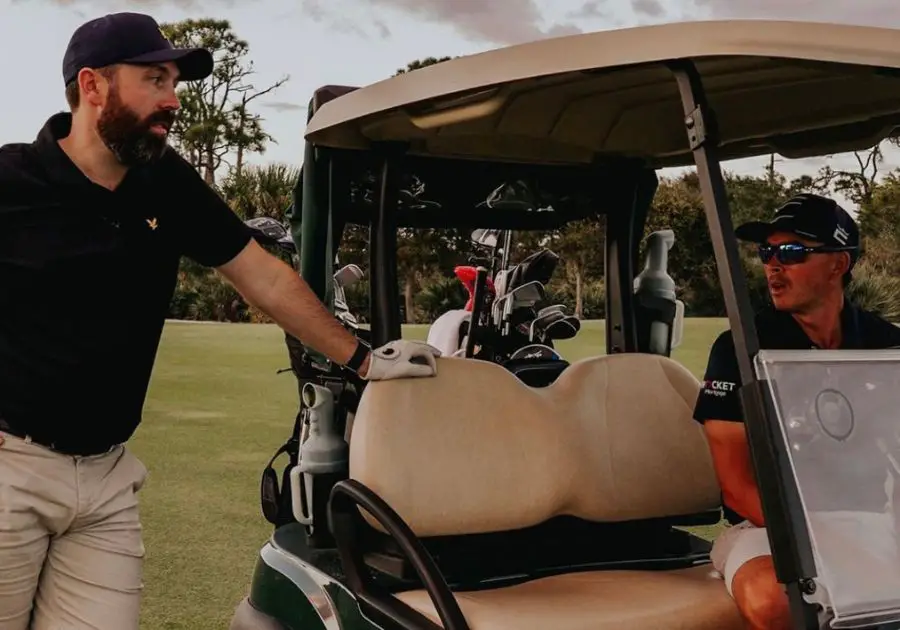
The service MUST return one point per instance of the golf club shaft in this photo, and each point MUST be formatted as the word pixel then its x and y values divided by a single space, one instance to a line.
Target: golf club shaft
pixel 477 308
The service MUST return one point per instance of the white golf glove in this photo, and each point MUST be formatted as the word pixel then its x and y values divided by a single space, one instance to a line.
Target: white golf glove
pixel 402 358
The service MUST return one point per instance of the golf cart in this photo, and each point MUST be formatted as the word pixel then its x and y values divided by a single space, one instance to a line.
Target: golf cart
pixel 472 501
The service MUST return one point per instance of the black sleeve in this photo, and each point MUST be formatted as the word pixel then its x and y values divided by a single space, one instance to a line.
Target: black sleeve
pixel 889 334
pixel 718 398
pixel 210 232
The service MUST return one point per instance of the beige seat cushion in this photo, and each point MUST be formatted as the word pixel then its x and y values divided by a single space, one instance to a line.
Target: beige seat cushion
pixel 476 450
pixel 682 599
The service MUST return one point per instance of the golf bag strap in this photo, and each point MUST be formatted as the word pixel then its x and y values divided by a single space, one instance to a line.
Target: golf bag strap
pixel 275 497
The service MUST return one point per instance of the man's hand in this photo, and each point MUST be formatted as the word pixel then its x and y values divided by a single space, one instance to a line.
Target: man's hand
pixel 401 359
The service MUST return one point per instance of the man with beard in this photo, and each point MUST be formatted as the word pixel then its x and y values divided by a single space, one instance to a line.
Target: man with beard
pixel 809 249
pixel 95 215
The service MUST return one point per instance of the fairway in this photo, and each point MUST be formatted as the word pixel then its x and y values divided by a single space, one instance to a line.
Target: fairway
pixel 215 414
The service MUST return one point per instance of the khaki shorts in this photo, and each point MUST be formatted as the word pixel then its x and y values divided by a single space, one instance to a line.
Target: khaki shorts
pixel 71 549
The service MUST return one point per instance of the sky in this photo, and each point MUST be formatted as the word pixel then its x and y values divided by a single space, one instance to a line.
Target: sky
pixel 357 42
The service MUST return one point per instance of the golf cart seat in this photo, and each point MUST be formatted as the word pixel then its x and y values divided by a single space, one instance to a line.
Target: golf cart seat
pixel 475 451
pixel 682 599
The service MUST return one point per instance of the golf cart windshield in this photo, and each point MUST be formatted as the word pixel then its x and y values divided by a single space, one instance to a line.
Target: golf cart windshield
pixel 837 412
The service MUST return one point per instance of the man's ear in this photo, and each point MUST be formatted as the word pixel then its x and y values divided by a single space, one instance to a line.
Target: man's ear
pixel 93 85
pixel 842 263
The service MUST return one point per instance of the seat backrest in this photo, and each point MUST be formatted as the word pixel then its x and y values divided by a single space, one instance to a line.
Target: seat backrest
pixel 475 450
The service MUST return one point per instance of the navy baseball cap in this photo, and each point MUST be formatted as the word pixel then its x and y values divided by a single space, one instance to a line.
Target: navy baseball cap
pixel 130 38
pixel 810 216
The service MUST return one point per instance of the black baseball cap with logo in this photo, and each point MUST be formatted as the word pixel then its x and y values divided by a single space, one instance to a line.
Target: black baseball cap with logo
pixel 810 216
pixel 130 38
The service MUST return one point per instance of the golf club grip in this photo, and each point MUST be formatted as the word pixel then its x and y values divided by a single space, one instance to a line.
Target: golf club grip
pixel 477 308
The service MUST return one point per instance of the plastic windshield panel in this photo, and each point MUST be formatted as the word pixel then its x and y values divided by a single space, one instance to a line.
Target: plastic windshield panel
pixel 839 414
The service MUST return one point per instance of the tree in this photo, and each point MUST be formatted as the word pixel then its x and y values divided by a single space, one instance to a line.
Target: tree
pixel 260 191
pixel 857 185
pixel 580 246
pixel 215 118
pixel 421 63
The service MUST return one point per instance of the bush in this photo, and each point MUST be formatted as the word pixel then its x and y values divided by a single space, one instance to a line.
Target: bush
pixel 875 290
pixel 202 295
pixel 440 294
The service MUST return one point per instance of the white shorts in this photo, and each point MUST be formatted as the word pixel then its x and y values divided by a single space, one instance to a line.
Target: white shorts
pixel 849 533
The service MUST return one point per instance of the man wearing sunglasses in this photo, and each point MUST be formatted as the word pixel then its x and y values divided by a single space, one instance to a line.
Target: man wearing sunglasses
pixel 808 249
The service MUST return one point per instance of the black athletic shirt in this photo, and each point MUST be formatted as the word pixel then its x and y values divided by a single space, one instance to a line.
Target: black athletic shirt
pixel 86 278
pixel 777 330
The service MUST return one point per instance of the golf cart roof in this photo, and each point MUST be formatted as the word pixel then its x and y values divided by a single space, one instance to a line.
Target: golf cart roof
pixel 795 88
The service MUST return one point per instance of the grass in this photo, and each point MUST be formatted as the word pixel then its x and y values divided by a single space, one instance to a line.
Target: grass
pixel 215 414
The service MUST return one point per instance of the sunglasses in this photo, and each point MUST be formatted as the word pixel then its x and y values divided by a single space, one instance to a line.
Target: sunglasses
pixel 794 253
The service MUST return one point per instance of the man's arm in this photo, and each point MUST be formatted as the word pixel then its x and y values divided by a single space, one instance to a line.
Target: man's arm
pixel 272 286
pixel 730 451
pixel 718 409
pixel 261 278
pixel 277 290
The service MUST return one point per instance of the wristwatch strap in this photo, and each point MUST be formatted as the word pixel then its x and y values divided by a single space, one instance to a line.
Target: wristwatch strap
pixel 356 361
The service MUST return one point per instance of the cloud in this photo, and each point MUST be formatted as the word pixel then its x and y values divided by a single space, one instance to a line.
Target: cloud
pixel 497 21
pixel 282 106
pixel 860 12
pixel 589 10
pixel 116 5
pixel 652 8
pixel 90 9
pixel 383 31
pixel 326 13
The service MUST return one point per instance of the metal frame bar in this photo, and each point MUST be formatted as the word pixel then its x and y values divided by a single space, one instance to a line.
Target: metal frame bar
pixel 384 292
pixel 621 335
pixel 785 524
pixel 625 224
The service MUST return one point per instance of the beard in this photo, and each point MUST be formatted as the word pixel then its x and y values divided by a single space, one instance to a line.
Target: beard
pixel 130 138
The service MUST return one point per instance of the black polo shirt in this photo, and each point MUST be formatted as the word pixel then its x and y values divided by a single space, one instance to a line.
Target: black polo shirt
pixel 778 330
pixel 86 278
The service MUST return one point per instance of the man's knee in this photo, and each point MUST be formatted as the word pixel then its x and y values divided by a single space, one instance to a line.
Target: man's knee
pixel 94 572
pixel 27 504
pixel 759 596
pixel 22 555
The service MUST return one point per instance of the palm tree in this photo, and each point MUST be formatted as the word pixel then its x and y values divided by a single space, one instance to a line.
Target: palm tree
pixel 260 190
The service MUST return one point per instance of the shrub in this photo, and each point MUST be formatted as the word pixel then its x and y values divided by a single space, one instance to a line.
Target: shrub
pixel 875 290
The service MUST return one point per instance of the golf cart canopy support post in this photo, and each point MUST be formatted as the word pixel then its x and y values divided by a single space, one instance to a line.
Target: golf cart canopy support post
pixel 315 237
pixel 314 186
pixel 787 533
pixel 383 288
pixel 625 222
